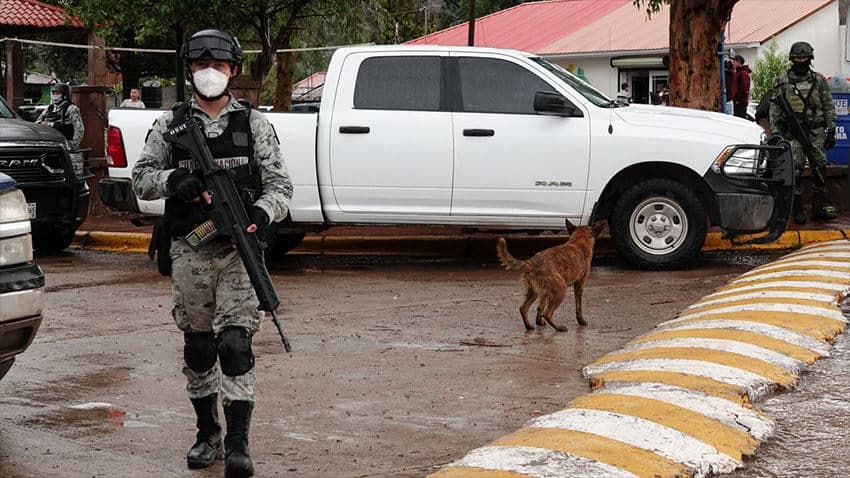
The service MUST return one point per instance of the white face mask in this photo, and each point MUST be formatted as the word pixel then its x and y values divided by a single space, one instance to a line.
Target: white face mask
pixel 210 82
pixel 56 99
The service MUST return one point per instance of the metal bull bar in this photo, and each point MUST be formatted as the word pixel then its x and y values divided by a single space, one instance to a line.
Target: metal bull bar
pixel 770 171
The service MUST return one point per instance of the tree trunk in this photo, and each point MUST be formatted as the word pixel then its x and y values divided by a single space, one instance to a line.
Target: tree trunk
pixel 285 76
pixel 695 28
pixel 261 66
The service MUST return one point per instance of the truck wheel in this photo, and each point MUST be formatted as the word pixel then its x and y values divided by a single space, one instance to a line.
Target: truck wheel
pixel 658 224
pixel 285 242
pixel 52 241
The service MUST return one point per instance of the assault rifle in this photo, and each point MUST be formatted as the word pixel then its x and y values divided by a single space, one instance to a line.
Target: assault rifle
pixel 800 134
pixel 227 215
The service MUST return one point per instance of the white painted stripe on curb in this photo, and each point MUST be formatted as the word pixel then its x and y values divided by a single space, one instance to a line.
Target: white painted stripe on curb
pixel 755 385
pixel 770 275
pixel 779 333
pixel 816 254
pixel 797 284
pixel 538 462
pixel 769 294
pixel 741 348
pixel 667 442
pixel 762 307
pixel 730 413
pixel 807 265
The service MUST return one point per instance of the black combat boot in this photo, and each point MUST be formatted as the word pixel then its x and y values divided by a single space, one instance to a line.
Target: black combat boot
pixel 822 209
pixel 207 447
pixel 800 216
pixel 237 462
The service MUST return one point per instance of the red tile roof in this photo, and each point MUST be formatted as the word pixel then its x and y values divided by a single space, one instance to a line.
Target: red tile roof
pixel 589 26
pixel 528 27
pixel 627 28
pixel 31 13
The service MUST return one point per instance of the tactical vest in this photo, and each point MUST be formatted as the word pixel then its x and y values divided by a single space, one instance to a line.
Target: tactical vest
pixel 232 150
pixel 805 100
pixel 57 116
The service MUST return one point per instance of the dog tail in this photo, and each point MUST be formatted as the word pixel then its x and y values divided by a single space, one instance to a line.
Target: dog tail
pixel 510 262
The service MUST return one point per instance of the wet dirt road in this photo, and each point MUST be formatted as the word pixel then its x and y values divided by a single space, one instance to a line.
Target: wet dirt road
pixel 398 366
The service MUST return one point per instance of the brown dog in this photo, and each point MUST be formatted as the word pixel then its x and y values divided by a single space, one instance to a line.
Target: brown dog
pixel 548 274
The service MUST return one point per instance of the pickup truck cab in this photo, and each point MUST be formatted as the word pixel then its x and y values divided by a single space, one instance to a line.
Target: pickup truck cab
pixel 502 140
pixel 21 280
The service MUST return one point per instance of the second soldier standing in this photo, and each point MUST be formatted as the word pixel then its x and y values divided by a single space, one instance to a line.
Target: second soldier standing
pixel 214 304
pixel 809 97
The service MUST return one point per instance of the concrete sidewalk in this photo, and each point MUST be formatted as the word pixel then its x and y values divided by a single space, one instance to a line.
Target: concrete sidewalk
pixel 116 233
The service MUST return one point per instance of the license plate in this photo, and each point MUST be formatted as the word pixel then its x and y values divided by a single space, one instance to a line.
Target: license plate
pixel 31 209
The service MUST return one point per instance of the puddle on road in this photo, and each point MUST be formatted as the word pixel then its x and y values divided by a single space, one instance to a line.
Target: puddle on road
pixel 72 388
pixel 77 422
pixel 811 423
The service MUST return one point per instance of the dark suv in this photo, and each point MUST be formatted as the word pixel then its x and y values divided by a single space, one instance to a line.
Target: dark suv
pixel 37 158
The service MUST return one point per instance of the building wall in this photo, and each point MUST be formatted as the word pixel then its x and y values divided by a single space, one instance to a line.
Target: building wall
pixel 597 70
pixel 822 31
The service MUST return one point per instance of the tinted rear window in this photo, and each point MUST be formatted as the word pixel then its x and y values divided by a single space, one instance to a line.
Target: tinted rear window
pixel 398 83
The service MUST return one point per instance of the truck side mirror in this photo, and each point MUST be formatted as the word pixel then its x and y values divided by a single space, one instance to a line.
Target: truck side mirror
pixel 548 103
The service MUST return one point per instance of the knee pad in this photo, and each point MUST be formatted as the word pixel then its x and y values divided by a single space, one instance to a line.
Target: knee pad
pixel 234 351
pixel 199 350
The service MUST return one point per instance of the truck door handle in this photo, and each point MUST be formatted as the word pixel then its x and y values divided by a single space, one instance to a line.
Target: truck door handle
pixel 479 132
pixel 354 129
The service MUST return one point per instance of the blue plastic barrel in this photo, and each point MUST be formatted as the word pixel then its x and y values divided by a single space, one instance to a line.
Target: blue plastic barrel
pixel 840 153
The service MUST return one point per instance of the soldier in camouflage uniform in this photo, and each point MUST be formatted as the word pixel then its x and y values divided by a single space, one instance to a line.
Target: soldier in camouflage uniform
pixel 213 301
pixel 808 94
pixel 65 117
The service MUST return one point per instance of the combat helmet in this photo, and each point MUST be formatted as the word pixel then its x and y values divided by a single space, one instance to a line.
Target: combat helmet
pixel 801 49
pixel 213 44
pixel 62 88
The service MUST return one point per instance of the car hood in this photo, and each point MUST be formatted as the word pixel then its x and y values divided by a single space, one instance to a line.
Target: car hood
pixel 686 119
pixel 15 130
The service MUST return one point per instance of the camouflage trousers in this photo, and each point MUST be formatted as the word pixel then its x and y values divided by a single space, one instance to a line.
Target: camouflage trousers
pixel 211 291
pixel 817 137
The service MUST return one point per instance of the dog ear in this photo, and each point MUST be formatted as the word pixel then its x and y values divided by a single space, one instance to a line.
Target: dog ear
pixel 597 228
pixel 570 226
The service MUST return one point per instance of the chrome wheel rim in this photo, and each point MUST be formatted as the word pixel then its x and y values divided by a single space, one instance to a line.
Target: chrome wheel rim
pixel 658 226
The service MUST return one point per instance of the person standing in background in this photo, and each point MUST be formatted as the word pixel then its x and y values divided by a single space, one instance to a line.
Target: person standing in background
pixel 134 101
pixel 741 89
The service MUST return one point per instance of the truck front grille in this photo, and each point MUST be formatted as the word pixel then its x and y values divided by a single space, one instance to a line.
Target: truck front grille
pixel 33 164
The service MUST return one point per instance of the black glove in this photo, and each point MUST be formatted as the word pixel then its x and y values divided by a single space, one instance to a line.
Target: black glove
pixel 185 185
pixel 829 141
pixel 261 220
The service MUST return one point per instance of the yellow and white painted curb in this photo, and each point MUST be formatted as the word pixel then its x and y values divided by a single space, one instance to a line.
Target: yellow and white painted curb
pixel 678 401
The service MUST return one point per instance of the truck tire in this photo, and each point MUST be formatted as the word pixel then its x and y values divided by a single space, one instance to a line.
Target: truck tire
pixel 51 241
pixel 658 224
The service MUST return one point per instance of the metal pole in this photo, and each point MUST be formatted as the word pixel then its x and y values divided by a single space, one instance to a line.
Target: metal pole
pixel 471 39
pixel 179 68
pixel 721 55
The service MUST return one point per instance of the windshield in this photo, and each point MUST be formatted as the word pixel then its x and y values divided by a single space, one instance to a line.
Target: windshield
pixel 5 111
pixel 595 96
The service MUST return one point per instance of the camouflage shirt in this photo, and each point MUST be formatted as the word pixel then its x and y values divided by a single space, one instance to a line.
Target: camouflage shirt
pixel 813 103
pixel 151 172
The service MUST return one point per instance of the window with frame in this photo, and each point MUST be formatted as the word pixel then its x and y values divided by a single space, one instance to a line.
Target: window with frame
pixel 398 83
pixel 498 86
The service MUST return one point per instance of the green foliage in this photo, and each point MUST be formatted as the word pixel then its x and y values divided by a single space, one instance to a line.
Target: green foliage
pixel 652 6
pixel 772 64
pixel 68 64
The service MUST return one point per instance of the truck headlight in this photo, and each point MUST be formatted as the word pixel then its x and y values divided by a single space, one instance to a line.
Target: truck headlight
pixel 739 161
pixel 16 250
pixel 13 207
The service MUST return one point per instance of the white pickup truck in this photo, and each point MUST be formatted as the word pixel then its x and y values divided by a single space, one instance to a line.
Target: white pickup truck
pixel 502 140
